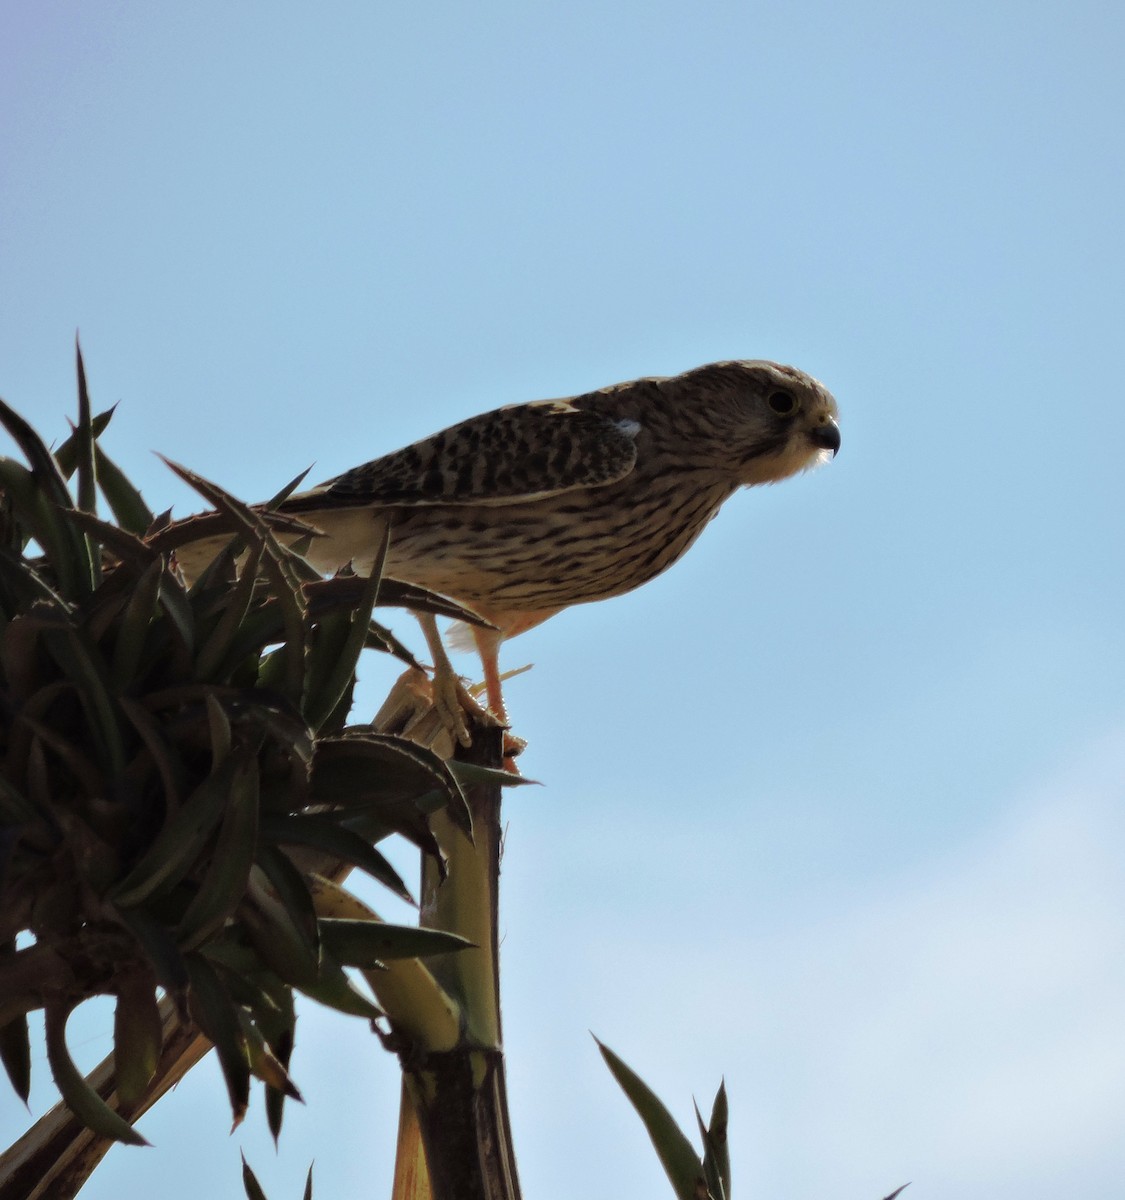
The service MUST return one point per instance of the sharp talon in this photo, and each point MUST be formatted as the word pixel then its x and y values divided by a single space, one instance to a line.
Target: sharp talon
pixel 450 699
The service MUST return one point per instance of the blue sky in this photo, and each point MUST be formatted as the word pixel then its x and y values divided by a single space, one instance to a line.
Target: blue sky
pixel 834 807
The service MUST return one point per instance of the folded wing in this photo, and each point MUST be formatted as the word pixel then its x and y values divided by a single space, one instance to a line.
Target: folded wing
pixel 523 452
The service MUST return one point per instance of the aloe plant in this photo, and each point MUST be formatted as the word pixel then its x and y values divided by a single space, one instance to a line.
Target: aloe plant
pixel 180 791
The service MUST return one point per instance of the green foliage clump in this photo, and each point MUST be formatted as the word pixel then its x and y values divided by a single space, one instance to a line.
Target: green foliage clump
pixel 178 781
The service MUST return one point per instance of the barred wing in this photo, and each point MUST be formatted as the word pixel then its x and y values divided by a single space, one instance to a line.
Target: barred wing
pixel 522 452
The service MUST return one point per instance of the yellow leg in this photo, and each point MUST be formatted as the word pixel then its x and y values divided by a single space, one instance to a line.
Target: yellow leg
pixel 450 696
pixel 488 647
pixel 452 700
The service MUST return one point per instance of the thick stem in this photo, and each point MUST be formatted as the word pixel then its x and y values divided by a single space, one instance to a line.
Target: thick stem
pixel 459 1096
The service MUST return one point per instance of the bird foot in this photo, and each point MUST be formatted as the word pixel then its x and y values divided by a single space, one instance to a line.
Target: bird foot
pixel 412 710
pixel 434 717
pixel 453 701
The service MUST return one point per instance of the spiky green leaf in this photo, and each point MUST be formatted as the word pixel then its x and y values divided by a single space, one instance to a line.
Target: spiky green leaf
pixel 277 564
pixel 64 543
pixel 64 548
pixel 288 490
pixel 469 774
pixel 160 949
pixel 250 1183
pixel 224 881
pixel 282 1045
pixel 680 1162
pixel 278 939
pixel 368 943
pixel 83 663
pixel 138 1035
pixel 291 889
pixel 84 440
pixel 218 724
pixel 335 651
pixel 384 772
pixel 127 546
pixel 717 1134
pixel 134 625
pixel 177 608
pixel 15 1054
pixel 716 1185
pixel 335 988
pixel 220 652
pixel 178 844
pixel 125 501
pixel 215 1013
pixel 160 748
pixel 66 453
pixel 325 833
pixel 79 1096
pixel 264 1064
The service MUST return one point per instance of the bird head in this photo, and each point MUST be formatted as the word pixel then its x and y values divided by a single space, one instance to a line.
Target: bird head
pixel 763 421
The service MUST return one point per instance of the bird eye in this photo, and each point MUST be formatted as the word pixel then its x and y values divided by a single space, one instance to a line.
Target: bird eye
pixel 782 403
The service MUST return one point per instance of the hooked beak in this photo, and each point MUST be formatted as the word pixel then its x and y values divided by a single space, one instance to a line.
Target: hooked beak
pixel 826 436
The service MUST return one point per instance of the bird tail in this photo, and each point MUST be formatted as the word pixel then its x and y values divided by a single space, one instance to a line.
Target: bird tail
pixel 459 637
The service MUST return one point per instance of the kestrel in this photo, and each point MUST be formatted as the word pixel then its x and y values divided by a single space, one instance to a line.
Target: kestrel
pixel 526 510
